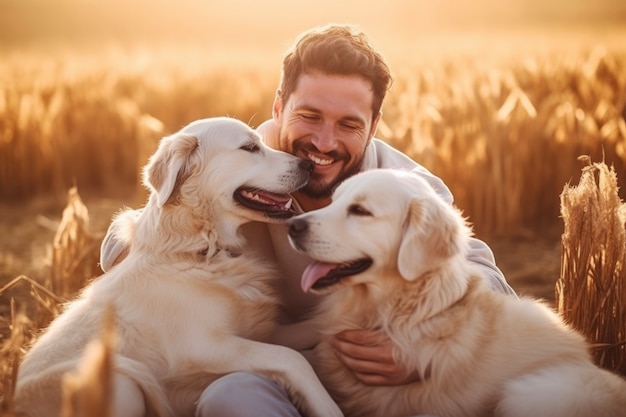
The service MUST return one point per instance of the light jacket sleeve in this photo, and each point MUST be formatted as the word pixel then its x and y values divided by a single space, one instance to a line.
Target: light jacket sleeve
pixel 381 155
pixel 116 242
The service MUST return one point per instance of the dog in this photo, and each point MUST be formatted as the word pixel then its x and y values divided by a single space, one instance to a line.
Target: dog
pixel 390 254
pixel 191 302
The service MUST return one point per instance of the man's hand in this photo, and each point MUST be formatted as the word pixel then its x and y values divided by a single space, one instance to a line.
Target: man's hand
pixel 368 354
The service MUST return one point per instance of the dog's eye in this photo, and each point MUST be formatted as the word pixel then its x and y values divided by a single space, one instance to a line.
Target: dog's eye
pixel 250 147
pixel 358 210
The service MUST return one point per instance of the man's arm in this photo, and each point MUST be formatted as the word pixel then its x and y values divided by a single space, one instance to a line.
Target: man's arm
pixel 116 243
pixel 481 256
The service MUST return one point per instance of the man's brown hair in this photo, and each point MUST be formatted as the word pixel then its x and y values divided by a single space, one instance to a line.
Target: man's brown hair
pixel 336 50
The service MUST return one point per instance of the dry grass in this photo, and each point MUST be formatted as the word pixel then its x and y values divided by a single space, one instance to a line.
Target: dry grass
pixel 11 351
pixel 591 293
pixel 81 119
pixel 75 253
pixel 87 390
pixel 500 132
pixel 74 262
pixel 503 135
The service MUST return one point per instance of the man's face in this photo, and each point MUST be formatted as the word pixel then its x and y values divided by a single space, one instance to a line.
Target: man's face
pixel 328 120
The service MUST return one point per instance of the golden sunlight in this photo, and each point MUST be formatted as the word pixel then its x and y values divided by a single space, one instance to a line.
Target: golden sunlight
pixel 250 25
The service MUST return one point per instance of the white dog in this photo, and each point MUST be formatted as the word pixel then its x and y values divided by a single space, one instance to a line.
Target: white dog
pixel 392 256
pixel 191 304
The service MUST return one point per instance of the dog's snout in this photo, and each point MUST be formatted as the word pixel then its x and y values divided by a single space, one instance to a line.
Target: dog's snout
pixel 306 165
pixel 297 227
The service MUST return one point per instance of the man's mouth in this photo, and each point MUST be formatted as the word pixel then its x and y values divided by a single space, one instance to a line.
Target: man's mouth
pixel 320 276
pixel 276 206
pixel 320 161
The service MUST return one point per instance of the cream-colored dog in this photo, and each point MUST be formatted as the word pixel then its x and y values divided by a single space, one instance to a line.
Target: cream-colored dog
pixel 392 255
pixel 191 302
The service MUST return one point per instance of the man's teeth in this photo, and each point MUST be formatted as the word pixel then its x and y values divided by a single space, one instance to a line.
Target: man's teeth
pixel 319 161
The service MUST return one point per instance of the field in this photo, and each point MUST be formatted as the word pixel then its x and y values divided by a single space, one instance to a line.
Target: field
pixel 504 128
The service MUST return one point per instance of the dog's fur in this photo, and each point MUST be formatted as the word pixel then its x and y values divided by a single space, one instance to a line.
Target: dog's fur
pixel 191 302
pixel 392 255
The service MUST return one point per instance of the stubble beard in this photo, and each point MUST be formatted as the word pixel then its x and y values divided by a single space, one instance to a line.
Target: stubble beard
pixel 317 188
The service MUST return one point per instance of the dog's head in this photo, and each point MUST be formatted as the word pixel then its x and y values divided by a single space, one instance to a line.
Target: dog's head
pixel 221 163
pixel 380 223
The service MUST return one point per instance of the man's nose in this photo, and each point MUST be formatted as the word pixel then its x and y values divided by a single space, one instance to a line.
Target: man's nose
pixel 325 140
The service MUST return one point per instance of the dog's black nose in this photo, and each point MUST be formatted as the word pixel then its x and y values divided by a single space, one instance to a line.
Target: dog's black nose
pixel 306 165
pixel 297 227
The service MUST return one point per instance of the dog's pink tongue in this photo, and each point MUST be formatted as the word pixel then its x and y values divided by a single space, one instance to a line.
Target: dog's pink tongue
pixel 313 273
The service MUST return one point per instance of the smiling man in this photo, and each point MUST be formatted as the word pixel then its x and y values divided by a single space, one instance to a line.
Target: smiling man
pixel 326 110
pixel 328 120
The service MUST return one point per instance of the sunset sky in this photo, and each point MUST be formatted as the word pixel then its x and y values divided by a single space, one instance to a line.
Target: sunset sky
pixel 253 21
pixel 409 28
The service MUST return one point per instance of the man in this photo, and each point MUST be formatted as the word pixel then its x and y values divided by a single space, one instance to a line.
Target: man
pixel 326 110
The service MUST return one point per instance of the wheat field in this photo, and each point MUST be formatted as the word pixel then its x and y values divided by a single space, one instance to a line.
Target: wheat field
pixel 504 134
pixel 500 135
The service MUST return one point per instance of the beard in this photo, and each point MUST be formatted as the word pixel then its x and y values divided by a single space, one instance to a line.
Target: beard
pixel 318 188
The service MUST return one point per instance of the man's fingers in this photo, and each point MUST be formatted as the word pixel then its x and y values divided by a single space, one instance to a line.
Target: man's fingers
pixel 358 365
pixel 363 337
pixel 371 353
pixel 371 373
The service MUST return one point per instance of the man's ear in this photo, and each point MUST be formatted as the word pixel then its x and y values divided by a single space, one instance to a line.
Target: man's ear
pixel 374 127
pixel 432 234
pixel 169 165
pixel 277 106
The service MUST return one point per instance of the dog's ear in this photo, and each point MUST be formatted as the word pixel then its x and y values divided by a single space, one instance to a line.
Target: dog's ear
pixel 169 164
pixel 432 234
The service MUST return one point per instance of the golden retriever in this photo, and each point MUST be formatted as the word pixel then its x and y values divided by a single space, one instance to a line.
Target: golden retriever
pixel 391 255
pixel 191 302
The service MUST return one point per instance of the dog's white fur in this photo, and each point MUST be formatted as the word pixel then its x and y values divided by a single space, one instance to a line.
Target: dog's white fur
pixel 191 303
pixel 478 352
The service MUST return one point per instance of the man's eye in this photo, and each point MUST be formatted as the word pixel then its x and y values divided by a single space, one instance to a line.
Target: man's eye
pixel 350 126
pixel 250 147
pixel 358 210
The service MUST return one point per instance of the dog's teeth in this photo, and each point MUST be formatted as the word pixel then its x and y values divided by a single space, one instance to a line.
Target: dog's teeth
pixel 288 204
pixel 252 196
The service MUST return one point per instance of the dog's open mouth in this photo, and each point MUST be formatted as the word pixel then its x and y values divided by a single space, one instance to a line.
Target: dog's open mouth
pixel 276 206
pixel 321 275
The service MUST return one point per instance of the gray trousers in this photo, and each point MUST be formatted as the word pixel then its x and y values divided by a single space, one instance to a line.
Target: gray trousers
pixel 243 394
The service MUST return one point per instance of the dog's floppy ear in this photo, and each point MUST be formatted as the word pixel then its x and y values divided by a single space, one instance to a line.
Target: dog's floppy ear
pixel 431 235
pixel 169 164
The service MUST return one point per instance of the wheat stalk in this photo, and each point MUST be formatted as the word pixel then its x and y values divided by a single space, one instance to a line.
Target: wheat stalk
pixel 591 292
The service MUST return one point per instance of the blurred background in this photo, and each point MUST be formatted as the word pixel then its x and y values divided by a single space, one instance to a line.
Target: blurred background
pixel 240 26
